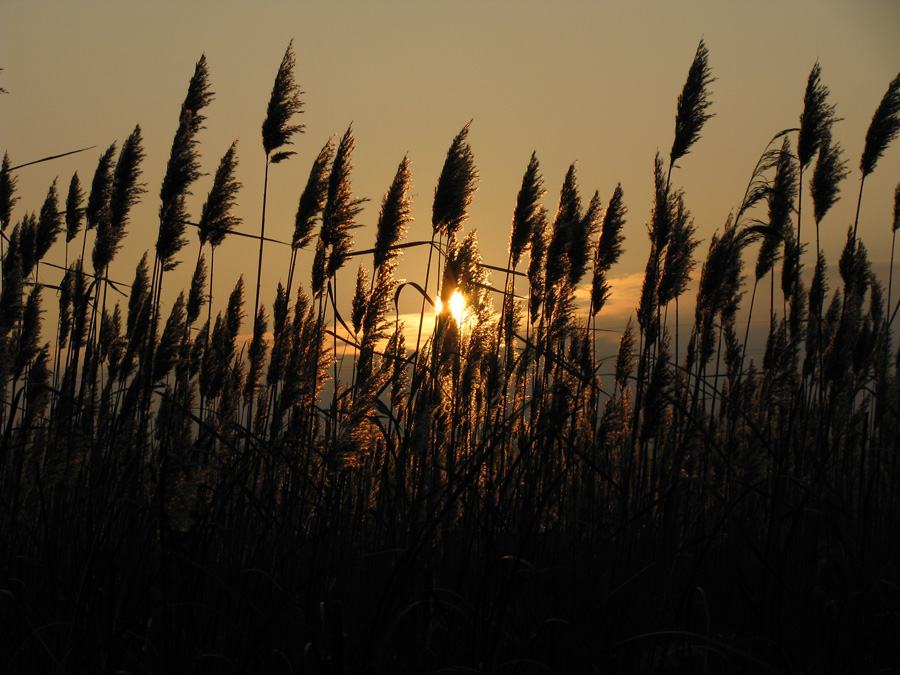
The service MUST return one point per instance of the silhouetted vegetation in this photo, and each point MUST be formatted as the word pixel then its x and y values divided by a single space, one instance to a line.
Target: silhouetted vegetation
pixel 480 500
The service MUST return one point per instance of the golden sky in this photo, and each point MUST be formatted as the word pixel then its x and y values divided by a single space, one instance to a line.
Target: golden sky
pixel 589 82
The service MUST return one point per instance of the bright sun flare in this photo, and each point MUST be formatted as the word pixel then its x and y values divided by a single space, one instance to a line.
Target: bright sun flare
pixel 457 306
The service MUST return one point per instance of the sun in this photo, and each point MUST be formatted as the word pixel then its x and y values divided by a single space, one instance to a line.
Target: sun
pixel 457 306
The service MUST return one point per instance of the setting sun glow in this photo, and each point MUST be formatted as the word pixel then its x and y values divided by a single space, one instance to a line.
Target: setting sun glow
pixel 457 306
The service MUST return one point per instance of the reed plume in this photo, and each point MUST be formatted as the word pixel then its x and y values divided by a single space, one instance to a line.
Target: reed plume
pixel 311 203
pixel 317 282
pixel 568 215
pixel 97 209
pixel 720 285
pixel 256 356
pixel 110 327
pixel 27 243
pixel 13 284
pixel 284 103
pixel 65 308
pixel 894 227
pixel 360 298
pixel 372 313
pixel 537 264
pixel 625 356
pixel 395 215
pixel 74 209
pixel 312 200
pixel 855 268
pixel 824 186
pixel 183 168
pixel 341 207
pixel 609 248
pixel 196 297
pixel 816 119
pixel 277 132
pixel 528 212
pixel 883 129
pixel 679 257
pixel 818 290
pixel 49 225
pixel 280 336
pixel 456 186
pixel 661 219
pixel 217 218
pixel 7 192
pixel 170 340
pixel 780 199
pixel 124 193
pixel 791 265
pixel 648 305
pixel 896 224
pixel 140 289
pixel 692 105
pixel 29 332
pixel 583 233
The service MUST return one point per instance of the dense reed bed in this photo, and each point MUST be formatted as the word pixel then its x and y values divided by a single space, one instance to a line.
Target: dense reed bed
pixel 472 497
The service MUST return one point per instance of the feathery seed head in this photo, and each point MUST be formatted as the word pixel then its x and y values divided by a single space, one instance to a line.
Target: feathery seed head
pixel 692 105
pixel 280 309
pixel 817 118
pixel 49 223
pixel 312 200
pixel 124 194
pixel 854 266
pixel 780 197
pixel 29 332
pixel 528 210
pixel 783 190
pixel 456 186
pixel 74 210
pixel 360 298
pixel 256 355
pixel 876 300
pixel 679 260
pixel 196 298
pixel 818 289
pixel 791 267
pixel 169 342
pixel 829 172
pixel 341 208
pixel 609 246
pixel 661 222
pixel 140 288
pixel 625 357
pixel 7 192
pixel 216 218
pixel 317 283
pixel 396 208
pixel 883 129
pixel 283 105
pixel 28 243
pixel 568 215
pixel 536 265
pixel 583 233
pixel 648 304
pixel 183 168
pixel 65 307
pixel 235 312
pixel 896 225
pixel 13 282
pixel 98 201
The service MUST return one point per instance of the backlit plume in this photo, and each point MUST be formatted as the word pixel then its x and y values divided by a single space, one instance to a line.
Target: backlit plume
pixel 457 306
